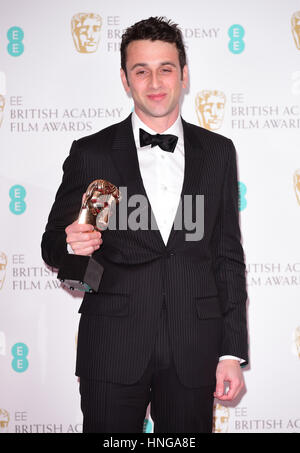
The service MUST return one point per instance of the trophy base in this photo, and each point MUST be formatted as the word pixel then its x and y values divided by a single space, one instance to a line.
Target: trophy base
pixel 81 273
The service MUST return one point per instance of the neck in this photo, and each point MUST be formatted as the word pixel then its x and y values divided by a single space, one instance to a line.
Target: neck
pixel 158 124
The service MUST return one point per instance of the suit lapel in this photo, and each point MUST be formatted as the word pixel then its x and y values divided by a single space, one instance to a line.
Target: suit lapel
pixel 193 167
pixel 124 156
pixel 194 155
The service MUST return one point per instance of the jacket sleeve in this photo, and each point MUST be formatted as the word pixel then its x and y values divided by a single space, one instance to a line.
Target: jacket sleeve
pixel 230 266
pixel 65 209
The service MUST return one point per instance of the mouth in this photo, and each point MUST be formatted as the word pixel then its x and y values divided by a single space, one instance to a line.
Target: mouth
pixel 156 97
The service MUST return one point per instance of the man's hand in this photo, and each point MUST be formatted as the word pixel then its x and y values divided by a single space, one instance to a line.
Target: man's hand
pixel 83 238
pixel 229 371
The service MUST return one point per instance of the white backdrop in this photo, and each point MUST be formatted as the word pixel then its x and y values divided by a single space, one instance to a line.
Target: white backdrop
pixel 247 56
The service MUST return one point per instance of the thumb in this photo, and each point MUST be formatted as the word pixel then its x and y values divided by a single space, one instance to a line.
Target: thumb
pixel 219 387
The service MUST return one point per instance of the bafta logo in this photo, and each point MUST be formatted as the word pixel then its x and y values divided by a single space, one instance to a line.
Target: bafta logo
pixel 296 28
pixel 4 420
pixel 86 31
pixel 297 340
pixel 220 419
pixel 297 184
pixel 2 105
pixel 210 106
pixel 3 264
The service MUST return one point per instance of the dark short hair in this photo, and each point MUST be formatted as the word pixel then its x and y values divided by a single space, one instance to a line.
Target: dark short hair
pixel 153 29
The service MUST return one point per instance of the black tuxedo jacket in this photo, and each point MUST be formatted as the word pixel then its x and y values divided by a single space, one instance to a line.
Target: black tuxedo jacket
pixel 201 283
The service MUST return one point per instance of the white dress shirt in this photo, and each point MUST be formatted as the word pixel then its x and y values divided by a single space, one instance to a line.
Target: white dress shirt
pixel 162 174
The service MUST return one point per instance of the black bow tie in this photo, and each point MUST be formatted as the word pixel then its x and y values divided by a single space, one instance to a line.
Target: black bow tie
pixel 166 142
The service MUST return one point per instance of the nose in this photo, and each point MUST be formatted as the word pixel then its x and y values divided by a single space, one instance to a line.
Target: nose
pixel 155 80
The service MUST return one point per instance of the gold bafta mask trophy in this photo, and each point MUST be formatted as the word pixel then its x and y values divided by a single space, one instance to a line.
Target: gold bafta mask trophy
pixel 80 272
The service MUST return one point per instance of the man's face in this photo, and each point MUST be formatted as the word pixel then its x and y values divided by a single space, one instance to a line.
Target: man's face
pixel 154 79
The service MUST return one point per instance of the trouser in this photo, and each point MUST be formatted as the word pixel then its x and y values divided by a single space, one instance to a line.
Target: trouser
pixel 121 408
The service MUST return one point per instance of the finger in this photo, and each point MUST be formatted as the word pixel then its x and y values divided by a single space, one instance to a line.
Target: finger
pixel 77 246
pixel 234 389
pixel 76 227
pixel 83 237
pixel 86 251
pixel 219 388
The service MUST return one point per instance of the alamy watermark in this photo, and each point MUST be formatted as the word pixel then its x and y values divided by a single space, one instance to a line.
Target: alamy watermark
pixel 133 214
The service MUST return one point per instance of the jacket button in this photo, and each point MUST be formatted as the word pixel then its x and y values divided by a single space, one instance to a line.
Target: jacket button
pixel 170 254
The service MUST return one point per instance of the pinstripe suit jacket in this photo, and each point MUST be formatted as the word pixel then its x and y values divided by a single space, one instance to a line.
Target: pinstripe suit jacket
pixel 201 283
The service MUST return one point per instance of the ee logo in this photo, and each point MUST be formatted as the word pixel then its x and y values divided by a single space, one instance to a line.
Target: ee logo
pixel 19 352
pixel 17 194
pixel 236 34
pixel 242 198
pixel 15 46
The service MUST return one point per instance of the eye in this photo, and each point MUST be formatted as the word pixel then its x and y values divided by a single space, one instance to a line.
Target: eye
pixel 166 70
pixel 169 67
pixel 140 71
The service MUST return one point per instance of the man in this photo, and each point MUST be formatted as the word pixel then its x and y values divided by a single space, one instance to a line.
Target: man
pixel 168 325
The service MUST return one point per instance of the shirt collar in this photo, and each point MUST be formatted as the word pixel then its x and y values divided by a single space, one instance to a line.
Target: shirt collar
pixel 137 124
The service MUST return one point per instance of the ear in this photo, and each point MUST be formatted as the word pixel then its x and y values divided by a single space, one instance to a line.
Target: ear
pixel 124 81
pixel 185 76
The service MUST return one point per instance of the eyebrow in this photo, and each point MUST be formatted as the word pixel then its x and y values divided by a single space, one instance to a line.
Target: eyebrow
pixel 164 63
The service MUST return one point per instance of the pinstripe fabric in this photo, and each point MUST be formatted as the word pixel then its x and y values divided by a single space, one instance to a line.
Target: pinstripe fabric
pixel 202 282
pixel 109 407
